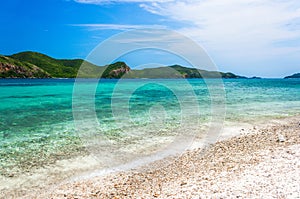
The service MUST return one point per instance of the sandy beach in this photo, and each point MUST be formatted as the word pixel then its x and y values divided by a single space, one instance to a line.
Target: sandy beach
pixel 261 161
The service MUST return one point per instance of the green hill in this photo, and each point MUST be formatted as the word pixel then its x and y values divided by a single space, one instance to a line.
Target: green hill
pixel 196 73
pixel 36 65
pixel 69 68
pixel 177 71
pixel 57 68
pixel 296 75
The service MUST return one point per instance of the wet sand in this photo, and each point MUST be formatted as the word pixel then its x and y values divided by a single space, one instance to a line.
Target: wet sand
pixel 254 163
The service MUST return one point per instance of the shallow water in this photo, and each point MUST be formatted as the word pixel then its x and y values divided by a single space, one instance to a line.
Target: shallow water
pixel 37 115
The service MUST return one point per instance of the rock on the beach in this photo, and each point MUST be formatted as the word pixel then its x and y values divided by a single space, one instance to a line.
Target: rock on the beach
pixel 281 138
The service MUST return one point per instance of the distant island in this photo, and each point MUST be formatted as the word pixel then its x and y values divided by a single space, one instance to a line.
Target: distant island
pixel 36 65
pixel 296 75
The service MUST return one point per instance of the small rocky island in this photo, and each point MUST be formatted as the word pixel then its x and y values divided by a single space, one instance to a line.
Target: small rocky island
pixel 296 75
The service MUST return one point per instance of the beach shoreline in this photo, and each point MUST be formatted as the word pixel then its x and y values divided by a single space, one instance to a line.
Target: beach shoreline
pixel 160 182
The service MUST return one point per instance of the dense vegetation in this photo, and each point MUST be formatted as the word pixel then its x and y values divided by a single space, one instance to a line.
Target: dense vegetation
pixel 55 67
pixel 58 68
pixel 37 65
pixel 177 71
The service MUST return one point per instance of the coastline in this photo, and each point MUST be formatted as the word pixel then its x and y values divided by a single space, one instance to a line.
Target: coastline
pixel 224 159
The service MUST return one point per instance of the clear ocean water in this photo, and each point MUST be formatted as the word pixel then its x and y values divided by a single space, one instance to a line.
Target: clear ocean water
pixel 37 122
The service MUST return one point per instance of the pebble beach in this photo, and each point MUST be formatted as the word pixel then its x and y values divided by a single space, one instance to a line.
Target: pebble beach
pixel 260 162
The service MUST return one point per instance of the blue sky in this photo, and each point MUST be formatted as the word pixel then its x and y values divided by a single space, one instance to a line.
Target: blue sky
pixel 250 37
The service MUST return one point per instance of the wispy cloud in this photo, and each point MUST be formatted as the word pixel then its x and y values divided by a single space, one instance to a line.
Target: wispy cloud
pixel 234 25
pixel 255 26
pixel 253 33
pixel 116 26
pixel 121 1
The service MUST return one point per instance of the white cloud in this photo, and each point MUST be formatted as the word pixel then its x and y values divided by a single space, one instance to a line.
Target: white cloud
pixel 249 33
pixel 223 24
pixel 234 26
pixel 116 26
pixel 118 1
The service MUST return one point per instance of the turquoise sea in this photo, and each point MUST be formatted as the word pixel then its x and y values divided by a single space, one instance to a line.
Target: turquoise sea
pixel 37 123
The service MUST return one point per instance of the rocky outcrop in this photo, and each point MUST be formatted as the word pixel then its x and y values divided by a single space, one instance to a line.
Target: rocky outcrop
pixel 115 70
pixel 120 71
pixel 14 70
